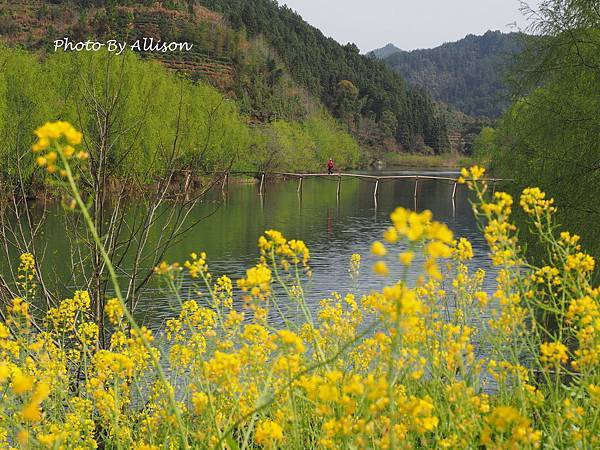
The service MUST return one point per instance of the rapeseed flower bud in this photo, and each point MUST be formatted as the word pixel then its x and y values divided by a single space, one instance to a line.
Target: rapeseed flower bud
pixel 268 433
pixel 553 353
pixel 378 249
pixel 354 268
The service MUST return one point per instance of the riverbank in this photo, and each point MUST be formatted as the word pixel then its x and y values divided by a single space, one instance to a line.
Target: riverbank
pixel 450 160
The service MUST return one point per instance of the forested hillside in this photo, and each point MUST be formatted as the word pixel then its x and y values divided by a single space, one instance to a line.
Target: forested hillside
pixel 359 90
pixel 467 74
pixel 276 66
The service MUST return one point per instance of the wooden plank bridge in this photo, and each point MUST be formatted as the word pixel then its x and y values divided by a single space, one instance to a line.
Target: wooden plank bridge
pixel 375 179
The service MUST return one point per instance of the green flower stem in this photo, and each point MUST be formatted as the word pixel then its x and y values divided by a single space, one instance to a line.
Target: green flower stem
pixel 115 282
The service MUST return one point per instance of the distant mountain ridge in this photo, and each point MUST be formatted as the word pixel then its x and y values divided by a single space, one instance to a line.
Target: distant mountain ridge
pixel 386 51
pixel 467 74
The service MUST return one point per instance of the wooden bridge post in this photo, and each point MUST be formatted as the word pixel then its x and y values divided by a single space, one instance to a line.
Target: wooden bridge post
pixel 225 182
pixel 454 191
pixel 339 185
pixel 187 180
pixel 186 187
pixel 262 182
pixel 494 188
pixel 416 185
pixel 376 187
pixel 300 185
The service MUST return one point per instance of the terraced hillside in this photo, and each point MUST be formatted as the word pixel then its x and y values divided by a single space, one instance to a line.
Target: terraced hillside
pixel 35 24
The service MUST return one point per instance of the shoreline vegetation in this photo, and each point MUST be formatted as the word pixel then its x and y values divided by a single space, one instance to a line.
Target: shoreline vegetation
pixel 147 121
pixel 199 184
pixel 549 135
pixel 431 362
pixel 445 160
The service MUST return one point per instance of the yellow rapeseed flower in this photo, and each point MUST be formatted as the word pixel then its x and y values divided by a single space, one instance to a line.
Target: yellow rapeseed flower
pixel 553 353
pixel 268 433
pixel 464 250
pixel 391 235
pixel 61 136
pixel 470 175
pixel 378 249
pixel 406 258
pixel 21 382
pixel 534 202
pixel 381 268
pixel 113 310
pixel 200 401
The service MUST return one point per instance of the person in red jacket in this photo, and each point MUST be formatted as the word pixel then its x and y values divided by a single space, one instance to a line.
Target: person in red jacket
pixel 330 166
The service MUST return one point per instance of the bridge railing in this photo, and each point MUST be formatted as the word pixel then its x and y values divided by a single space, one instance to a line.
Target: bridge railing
pixel 339 175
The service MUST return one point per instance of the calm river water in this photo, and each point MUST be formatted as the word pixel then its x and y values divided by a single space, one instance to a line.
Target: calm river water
pixel 332 228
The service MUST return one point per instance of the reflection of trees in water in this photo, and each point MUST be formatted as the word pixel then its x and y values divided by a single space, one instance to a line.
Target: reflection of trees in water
pixel 228 232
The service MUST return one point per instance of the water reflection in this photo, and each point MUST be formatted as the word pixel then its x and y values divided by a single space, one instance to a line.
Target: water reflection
pixel 333 226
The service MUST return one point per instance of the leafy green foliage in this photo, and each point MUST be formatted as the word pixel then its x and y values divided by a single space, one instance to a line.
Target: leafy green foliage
pixel 305 146
pixel 26 100
pixel 157 119
pixel 549 138
pixel 485 143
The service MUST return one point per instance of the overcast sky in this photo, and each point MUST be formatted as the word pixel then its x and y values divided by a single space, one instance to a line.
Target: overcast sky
pixel 408 24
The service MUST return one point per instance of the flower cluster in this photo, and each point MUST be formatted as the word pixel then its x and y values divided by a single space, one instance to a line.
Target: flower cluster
pixel 471 175
pixel 420 230
pixel 57 140
pixel 534 202
pixel 553 353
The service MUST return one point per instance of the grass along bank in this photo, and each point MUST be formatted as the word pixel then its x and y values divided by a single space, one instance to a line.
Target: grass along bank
pixel 428 161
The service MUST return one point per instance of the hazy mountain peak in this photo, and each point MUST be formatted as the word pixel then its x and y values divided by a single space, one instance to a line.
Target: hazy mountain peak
pixel 466 74
pixel 386 51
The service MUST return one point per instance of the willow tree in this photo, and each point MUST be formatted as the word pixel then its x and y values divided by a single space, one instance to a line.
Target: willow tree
pixel 141 125
pixel 549 138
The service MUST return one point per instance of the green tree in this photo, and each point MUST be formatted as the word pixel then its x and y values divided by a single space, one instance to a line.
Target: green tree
pixel 388 123
pixel 347 103
pixel 485 143
pixel 27 99
pixel 549 138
